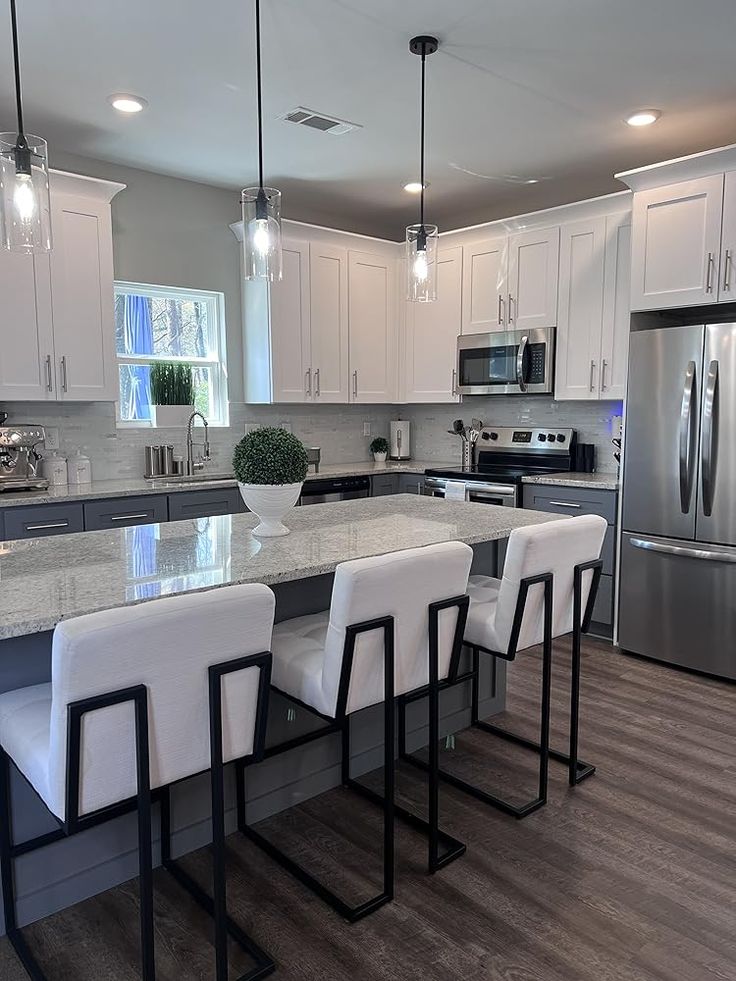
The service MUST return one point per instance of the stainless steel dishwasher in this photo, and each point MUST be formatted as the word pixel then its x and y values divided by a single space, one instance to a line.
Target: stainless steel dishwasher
pixel 326 489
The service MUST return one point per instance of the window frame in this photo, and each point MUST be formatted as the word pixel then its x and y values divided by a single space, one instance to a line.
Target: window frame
pixel 216 362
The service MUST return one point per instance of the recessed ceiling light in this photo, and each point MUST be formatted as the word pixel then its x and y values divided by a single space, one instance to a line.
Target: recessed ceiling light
pixel 127 103
pixel 644 117
pixel 415 187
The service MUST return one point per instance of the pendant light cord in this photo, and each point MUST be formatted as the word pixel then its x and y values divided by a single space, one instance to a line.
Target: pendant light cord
pixel 260 100
pixel 421 164
pixel 16 63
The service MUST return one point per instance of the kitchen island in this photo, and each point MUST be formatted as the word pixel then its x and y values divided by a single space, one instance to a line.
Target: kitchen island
pixel 43 581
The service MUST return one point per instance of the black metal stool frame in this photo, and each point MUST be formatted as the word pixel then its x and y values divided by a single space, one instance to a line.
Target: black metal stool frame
pixel 75 823
pixel 578 770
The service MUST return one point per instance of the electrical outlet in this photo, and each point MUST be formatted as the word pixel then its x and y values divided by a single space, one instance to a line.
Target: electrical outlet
pixel 286 425
pixel 366 429
pixel 616 426
pixel 51 441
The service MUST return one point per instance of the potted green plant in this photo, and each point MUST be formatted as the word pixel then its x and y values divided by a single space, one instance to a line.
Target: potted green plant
pixel 379 449
pixel 270 466
pixel 172 393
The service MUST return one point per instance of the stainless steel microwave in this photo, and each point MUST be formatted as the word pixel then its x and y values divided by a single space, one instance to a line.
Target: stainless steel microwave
pixel 508 362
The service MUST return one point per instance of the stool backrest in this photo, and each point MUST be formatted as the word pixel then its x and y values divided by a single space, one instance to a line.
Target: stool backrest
pixel 167 645
pixel 556 547
pixel 401 585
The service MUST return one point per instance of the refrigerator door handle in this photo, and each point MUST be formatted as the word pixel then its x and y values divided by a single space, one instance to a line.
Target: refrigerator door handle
pixel 686 438
pixel 710 437
pixel 685 553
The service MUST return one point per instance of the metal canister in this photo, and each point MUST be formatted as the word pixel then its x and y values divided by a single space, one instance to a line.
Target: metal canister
pixel 151 461
pixel 166 460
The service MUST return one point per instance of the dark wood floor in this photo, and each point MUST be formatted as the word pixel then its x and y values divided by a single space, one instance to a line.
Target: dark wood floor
pixel 631 876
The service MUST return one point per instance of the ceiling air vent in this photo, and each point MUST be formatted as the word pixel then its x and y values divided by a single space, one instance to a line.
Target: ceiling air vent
pixel 318 120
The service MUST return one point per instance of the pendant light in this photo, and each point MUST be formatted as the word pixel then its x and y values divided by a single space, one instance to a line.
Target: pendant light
pixel 25 208
pixel 261 205
pixel 422 239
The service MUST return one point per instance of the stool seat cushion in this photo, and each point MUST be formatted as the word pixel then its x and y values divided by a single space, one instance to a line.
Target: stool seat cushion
pixel 298 648
pixel 25 734
pixel 481 626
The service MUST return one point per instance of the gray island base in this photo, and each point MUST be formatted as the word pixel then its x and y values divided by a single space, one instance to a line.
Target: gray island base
pixel 43 581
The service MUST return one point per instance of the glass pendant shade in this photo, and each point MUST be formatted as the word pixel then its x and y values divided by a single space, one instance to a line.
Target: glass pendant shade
pixel 422 244
pixel 262 233
pixel 25 205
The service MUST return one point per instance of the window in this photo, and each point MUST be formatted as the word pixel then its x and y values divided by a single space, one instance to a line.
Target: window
pixel 162 323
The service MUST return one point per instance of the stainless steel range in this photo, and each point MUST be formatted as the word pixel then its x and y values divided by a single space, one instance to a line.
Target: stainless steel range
pixel 504 456
pixel 19 459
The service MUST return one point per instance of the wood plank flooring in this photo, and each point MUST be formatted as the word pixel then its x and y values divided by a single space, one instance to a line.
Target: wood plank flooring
pixel 630 877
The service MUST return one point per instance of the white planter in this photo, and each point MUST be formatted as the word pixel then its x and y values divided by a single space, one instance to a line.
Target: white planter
pixel 380 457
pixel 170 416
pixel 270 502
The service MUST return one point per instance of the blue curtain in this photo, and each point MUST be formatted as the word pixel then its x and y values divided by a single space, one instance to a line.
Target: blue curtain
pixel 138 337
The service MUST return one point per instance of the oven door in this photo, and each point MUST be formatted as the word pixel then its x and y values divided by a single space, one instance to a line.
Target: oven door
pixel 514 362
pixel 482 492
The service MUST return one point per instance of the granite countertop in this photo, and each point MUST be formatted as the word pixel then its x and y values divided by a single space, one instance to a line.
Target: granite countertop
pixel 45 580
pixel 135 486
pixel 599 481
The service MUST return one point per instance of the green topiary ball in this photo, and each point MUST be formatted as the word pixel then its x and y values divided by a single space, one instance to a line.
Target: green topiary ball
pixel 270 456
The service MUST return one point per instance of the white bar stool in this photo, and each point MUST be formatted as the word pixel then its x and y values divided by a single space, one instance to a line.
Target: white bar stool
pixel 140 698
pixel 550 576
pixel 395 624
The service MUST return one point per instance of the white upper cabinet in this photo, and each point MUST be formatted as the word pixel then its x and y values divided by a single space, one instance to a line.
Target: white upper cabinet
pixel 430 337
pixel 27 364
pixel 328 281
pixel 727 279
pixel 532 279
pixel 372 319
pixel 290 326
pixel 484 286
pixel 582 253
pixel 676 243
pixel 616 308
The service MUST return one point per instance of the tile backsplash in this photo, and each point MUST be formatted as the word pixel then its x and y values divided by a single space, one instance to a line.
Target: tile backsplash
pixel 337 429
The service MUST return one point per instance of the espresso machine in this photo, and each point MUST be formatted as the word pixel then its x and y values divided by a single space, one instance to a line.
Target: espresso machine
pixel 19 458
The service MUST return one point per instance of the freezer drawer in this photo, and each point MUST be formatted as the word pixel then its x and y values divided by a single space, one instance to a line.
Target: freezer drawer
pixel 678 602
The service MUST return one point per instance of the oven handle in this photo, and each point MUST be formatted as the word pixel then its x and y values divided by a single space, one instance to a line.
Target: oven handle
pixel 520 362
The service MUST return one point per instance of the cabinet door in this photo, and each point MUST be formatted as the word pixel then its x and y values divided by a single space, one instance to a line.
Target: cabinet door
pixel 581 309
pixel 82 299
pixel 484 286
pixel 431 336
pixel 328 287
pixel 372 322
pixel 290 337
pixel 533 270
pixel 26 334
pixel 614 357
pixel 676 237
pixel 727 278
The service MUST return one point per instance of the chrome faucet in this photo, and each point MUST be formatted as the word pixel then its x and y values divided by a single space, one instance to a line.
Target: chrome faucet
pixel 205 455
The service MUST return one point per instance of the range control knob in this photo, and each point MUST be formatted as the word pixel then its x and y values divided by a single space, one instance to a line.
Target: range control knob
pixel 494 436
pixel 542 438
pixel 551 437
pixel 560 437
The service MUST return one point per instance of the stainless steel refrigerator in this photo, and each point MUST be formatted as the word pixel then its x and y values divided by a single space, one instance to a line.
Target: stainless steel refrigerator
pixel 678 553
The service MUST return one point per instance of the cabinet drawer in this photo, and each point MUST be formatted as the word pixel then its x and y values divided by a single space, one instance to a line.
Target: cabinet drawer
pixel 43 520
pixel 202 504
pixel 571 500
pixel 385 483
pixel 121 512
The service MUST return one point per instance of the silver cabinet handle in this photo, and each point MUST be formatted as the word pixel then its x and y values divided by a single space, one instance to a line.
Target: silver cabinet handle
pixel 47 524
pixel 308 382
pixel 566 504
pixel 686 553
pixel 520 363
pixel 454 381
pixel 709 448
pixel 604 365
pixel 592 372
pixel 355 384
pixel 727 260
pixel 689 396
pixel 709 274
pixel 49 375
pixel 316 383
pixel 128 517
pixel 511 309
pixel 500 310
pixel 64 378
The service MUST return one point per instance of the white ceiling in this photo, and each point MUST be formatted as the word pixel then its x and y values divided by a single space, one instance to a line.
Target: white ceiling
pixel 533 88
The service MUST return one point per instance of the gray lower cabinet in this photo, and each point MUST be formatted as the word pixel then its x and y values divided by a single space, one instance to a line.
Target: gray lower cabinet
pixel 120 512
pixel 573 501
pixel 41 520
pixel 411 483
pixel 202 504
pixel 383 484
